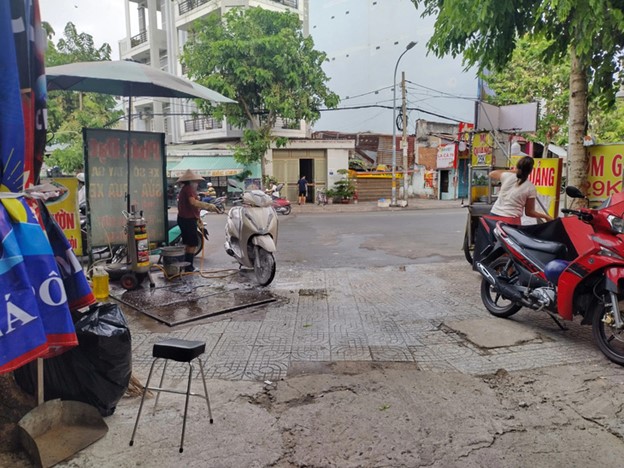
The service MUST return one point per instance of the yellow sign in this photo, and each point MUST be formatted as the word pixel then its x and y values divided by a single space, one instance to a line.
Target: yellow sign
pixel 546 176
pixel 65 211
pixel 605 171
pixel 482 144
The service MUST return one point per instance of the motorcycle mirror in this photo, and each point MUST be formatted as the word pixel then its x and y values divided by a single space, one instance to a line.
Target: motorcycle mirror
pixel 574 192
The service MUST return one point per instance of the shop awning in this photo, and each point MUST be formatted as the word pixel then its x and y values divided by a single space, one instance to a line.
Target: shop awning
pixel 211 166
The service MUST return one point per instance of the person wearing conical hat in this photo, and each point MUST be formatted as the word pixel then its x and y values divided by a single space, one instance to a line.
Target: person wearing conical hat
pixel 188 214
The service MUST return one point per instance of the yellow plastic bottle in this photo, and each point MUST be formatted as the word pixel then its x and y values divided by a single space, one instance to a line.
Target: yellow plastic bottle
pixel 100 283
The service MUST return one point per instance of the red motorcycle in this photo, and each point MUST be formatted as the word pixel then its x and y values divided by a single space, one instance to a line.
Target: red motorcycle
pixel 566 267
pixel 280 204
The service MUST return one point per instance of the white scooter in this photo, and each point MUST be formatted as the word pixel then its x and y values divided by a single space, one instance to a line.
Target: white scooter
pixel 251 235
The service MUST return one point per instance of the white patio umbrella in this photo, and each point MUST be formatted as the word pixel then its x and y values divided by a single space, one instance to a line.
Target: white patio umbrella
pixel 128 79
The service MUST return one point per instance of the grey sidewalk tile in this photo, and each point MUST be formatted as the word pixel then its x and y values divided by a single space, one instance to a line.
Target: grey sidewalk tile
pixel 277 326
pixel 385 339
pixel 274 338
pixel 475 365
pixel 268 363
pixel 350 353
pixel 391 353
pixel 236 339
pixel 310 353
pixel 439 337
pixel 347 328
pixel 225 351
pixel 285 318
pixel 412 338
pixel 311 336
pixel 265 355
pixel 353 340
pixel 246 327
pixel 226 370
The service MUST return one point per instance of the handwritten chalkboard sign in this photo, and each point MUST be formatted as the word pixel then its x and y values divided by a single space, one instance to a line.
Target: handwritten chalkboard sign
pixel 108 159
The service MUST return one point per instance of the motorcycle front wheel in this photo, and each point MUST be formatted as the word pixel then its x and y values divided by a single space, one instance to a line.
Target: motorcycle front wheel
pixel 286 210
pixel 493 301
pixel 609 339
pixel 264 266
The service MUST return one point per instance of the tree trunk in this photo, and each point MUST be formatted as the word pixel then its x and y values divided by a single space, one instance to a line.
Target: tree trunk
pixel 578 162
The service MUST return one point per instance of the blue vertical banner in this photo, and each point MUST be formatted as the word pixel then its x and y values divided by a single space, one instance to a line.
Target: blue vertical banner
pixel 22 336
pixel 35 319
pixel 79 293
pixel 45 279
pixel 11 115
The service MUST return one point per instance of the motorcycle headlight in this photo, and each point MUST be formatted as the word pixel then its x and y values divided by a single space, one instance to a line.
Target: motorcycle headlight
pixel 617 224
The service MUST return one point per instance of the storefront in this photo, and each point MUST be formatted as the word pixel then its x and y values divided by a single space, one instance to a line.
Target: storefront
pixel 447 172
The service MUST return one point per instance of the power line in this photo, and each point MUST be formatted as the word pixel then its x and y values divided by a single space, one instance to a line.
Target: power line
pixel 390 107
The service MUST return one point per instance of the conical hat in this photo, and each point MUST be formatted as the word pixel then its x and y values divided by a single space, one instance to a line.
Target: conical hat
pixel 189 176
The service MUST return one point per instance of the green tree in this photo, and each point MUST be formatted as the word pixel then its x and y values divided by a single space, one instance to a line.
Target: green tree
pixel 526 78
pixel 589 32
pixel 70 111
pixel 261 59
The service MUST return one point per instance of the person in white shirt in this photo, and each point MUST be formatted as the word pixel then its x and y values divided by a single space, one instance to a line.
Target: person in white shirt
pixel 273 191
pixel 517 194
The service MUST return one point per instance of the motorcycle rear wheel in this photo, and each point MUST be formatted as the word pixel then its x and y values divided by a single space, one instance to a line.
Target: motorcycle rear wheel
pixel 286 210
pixel 609 340
pixel 493 301
pixel 264 266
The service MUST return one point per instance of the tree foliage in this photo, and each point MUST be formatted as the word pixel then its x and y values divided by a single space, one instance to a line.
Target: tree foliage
pixel 70 111
pixel 589 32
pixel 261 59
pixel 526 78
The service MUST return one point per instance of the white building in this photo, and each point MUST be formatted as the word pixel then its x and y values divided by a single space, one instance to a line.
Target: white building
pixel 155 35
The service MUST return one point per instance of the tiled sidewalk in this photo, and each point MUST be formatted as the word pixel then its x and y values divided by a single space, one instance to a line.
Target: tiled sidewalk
pixel 382 314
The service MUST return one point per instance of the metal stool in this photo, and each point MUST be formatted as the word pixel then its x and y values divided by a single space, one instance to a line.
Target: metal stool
pixel 181 351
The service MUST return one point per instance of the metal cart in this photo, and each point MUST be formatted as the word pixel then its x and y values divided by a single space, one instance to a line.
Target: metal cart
pixel 481 197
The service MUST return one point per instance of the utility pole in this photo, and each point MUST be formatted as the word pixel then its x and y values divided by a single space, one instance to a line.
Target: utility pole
pixel 404 139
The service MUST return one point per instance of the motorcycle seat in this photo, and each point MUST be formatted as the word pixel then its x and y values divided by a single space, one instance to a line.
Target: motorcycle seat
pixel 555 248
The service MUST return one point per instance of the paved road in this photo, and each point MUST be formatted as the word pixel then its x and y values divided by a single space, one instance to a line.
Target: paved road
pixel 357 238
pixel 371 239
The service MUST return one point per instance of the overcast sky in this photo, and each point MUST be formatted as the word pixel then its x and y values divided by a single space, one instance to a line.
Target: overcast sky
pixel 363 40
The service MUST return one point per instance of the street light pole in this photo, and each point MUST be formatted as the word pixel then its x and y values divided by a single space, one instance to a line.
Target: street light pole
pixel 394 200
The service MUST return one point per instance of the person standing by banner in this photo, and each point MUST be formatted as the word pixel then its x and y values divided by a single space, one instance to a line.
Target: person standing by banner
pixel 188 214
pixel 517 194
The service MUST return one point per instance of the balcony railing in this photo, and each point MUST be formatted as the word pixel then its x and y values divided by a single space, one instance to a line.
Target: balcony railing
pixel 138 39
pixel 288 3
pixel 201 124
pixel 189 5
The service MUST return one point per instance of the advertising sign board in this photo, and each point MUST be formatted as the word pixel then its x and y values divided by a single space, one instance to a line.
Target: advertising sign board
pixel 107 164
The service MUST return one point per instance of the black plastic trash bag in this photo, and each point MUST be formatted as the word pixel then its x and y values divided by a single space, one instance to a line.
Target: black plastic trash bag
pixel 97 371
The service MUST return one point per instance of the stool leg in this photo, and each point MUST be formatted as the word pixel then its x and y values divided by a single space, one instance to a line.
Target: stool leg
pixel 136 423
pixel 201 367
pixel 188 394
pixel 160 385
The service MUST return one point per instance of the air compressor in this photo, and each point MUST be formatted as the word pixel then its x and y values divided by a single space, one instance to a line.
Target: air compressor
pixel 138 250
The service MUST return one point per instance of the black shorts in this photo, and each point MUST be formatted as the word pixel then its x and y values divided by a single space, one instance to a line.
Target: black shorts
pixel 188 228
pixel 302 193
